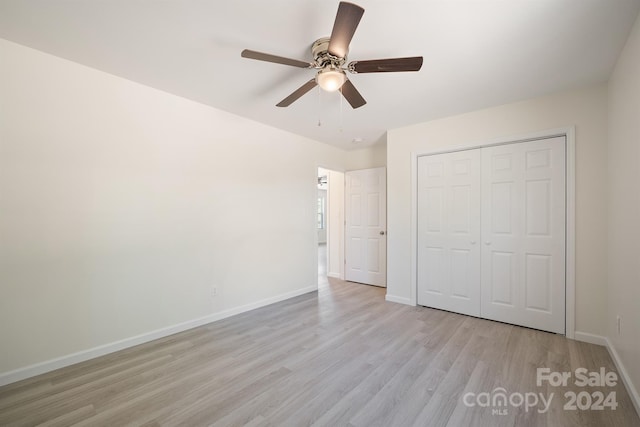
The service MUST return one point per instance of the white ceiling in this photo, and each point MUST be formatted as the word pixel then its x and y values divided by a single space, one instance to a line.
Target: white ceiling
pixel 477 53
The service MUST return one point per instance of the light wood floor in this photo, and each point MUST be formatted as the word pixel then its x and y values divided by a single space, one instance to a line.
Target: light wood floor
pixel 338 357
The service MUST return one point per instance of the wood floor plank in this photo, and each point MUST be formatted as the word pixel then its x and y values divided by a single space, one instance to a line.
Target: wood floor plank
pixel 447 395
pixel 364 392
pixel 342 356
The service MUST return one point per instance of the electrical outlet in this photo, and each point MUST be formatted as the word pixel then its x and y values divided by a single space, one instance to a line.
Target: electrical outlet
pixel 214 291
pixel 618 323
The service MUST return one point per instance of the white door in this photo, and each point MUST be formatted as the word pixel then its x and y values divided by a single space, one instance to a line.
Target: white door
pixel 449 231
pixel 523 233
pixel 366 221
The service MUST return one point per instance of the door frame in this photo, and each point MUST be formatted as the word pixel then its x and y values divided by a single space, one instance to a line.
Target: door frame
pixel 570 286
pixel 338 211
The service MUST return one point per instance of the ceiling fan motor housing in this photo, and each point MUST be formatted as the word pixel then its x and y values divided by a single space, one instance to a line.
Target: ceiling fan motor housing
pixel 322 57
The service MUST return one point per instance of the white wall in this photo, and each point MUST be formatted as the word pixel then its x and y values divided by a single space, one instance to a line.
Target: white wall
pixel 121 206
pixel 587 110
pixel 366 158
pixel 624 208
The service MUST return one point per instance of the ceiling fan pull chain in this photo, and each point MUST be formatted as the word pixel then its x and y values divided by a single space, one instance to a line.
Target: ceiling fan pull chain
pixel 319 96
pixel 340 128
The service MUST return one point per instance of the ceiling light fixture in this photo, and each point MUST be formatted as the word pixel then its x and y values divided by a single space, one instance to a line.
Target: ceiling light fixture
pixel 331 79
pixel 330 59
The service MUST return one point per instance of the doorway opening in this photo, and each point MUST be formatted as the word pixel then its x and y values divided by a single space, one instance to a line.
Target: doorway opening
pixel 330 225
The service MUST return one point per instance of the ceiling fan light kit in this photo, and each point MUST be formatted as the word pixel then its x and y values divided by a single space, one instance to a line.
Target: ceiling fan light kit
pixel 330 57
pixel 330 79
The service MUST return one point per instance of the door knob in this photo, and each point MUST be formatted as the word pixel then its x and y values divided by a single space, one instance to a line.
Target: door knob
pixel 382 233
pixel 487 243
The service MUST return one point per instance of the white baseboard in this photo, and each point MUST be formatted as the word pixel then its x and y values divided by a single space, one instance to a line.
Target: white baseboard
pixel 399 300
pixel 626 380
pixel 81 356
pixel 334 275
pixel 631 389
pixel 590 338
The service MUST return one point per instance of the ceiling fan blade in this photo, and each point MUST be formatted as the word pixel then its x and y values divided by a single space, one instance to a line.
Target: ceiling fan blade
pixel 344 27
pixel 413 63
pixel 252 54
pixel 298 93
pixel 352 95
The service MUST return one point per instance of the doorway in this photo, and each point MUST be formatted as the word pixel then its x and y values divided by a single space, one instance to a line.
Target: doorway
pixel 330 225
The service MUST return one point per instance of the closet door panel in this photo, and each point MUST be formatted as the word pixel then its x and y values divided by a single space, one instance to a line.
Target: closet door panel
pixel 523 234
pixel 449 231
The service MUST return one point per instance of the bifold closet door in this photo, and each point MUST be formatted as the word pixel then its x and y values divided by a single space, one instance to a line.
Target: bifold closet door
pixel 449 231
pixel 523 234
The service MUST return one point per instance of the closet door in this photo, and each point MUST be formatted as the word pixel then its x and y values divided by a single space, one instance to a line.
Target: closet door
pixel 449 231
pixel 523 234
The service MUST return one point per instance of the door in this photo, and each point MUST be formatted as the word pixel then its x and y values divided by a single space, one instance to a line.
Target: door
pixel 449 231
pixel 366 220
pixel 523 227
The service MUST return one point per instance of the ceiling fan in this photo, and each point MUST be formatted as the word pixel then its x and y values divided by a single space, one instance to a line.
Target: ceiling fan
pixel 330 57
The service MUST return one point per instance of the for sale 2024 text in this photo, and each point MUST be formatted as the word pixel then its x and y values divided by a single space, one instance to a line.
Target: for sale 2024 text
pixel 582 377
